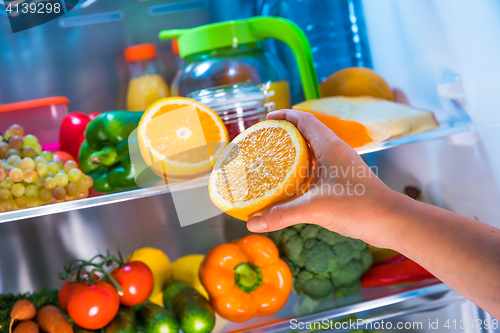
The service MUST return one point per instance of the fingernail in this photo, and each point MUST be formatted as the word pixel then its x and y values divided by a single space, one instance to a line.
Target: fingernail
pixel 256 224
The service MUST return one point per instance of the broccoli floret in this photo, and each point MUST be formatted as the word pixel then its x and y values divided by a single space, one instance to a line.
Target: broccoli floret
pixel 309 231
pixel 286 234
pixel 323 262
pixel 318 257
pixel 317 287
pixel 344 252
pixel 275 236
pixel 366 259
pixel 357 245
pixel 299 227
pixel 329 237
pixel 347 274
pixel 292 249
pixel 294 268
pixel 348 290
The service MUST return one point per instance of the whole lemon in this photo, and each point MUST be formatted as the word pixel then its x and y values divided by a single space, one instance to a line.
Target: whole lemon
pixel 158 263
pixel 158 299
pixel 187 269
pixel 356 81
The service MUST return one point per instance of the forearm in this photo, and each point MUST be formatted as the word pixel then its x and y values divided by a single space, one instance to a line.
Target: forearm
pixel 461 252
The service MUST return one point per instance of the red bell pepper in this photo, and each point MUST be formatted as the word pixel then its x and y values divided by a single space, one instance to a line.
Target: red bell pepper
pixel 72 131
pixel 396 272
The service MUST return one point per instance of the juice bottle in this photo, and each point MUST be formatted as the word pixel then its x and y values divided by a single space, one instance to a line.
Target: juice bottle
pixel 281 96
pixel 145 85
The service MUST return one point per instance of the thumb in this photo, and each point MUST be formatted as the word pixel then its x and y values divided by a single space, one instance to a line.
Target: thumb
pixel 320 137
pixel 282 215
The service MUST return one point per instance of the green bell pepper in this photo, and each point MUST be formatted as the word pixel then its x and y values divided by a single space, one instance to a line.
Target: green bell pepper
pixel 104 155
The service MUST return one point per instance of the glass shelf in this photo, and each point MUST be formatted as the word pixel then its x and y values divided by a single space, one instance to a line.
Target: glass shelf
pixel 374 304
pixel 442 131
pixel 99 200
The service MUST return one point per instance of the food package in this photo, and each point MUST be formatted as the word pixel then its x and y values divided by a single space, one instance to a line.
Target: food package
pixel 364 120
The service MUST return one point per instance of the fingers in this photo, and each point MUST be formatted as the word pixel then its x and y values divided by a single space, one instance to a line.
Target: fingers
pixel 281 215
pixel 315 132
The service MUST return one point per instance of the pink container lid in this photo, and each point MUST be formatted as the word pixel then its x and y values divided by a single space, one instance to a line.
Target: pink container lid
pixel 53 146
pixel 34 103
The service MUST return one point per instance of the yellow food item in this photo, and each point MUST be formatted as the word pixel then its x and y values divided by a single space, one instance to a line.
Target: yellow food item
pixel 380 119
pixel 157 299
pixel 266 164
pixel 186 269
pixel 356 81
pixel 144 90
pixel 281 96
pixel 158 263
pixel 379 254
pixel 180 138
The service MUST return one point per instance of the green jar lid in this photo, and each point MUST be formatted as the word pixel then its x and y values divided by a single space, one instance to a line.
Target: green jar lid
pixel 211 37
pixel 233 33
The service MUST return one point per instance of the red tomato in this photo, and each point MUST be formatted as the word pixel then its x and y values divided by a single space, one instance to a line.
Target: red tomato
pixel 93 307
pixel 136 280
pixel 64 156
pixel 62 296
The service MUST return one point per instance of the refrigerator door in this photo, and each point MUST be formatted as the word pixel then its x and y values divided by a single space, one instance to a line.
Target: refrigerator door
pixel 442 54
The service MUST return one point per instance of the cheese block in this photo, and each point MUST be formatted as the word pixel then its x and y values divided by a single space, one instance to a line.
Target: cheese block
pixel 363 120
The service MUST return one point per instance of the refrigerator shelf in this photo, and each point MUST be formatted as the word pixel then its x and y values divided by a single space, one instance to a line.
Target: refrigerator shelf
pixel 442 131
pixel 397 302
pixel 99 200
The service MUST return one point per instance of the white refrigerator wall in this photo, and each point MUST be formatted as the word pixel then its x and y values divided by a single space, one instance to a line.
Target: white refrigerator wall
pixel 417 46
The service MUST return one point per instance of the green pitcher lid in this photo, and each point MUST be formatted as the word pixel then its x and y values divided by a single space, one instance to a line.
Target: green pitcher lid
pixel 210 37
pixel 233 33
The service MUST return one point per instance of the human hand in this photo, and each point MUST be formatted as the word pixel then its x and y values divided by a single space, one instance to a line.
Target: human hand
pixel 346 196
pixel 454 248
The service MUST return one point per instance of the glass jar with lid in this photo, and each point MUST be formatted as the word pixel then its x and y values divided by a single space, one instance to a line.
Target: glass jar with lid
pixel 232 65
pixel 238 105
pixel 231 52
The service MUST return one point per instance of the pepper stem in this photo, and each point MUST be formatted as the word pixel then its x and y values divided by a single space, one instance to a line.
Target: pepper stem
pixel 247 277
pixel 95 160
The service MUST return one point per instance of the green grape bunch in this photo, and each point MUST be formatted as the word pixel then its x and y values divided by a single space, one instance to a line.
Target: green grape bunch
pixel 31 177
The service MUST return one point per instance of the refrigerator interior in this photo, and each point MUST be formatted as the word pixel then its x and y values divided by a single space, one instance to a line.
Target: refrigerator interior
pixel 442 54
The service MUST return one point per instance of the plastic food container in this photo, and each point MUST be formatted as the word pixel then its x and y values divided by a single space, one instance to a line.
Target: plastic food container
pixel 40 117
pixel 239 105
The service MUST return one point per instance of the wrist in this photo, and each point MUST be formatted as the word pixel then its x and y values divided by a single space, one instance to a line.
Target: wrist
pixel 389 227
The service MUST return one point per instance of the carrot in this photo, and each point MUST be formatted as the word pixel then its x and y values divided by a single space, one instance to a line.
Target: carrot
pixel 51 320
pixel 23 309
pixel 28 326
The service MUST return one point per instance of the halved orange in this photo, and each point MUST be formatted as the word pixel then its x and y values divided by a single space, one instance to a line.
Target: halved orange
pixel 266 164
pixel 180 138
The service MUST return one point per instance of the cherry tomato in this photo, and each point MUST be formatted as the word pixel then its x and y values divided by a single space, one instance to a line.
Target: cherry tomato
pixel 136 280
pixel 93 307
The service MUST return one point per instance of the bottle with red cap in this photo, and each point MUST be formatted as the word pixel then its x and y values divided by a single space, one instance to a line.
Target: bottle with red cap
pixel 146 85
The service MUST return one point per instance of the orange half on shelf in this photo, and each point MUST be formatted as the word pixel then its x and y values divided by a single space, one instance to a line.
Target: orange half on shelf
pixel 360 121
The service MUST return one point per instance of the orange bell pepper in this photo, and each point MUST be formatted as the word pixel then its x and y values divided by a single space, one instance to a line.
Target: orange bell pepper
pixel 246 278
